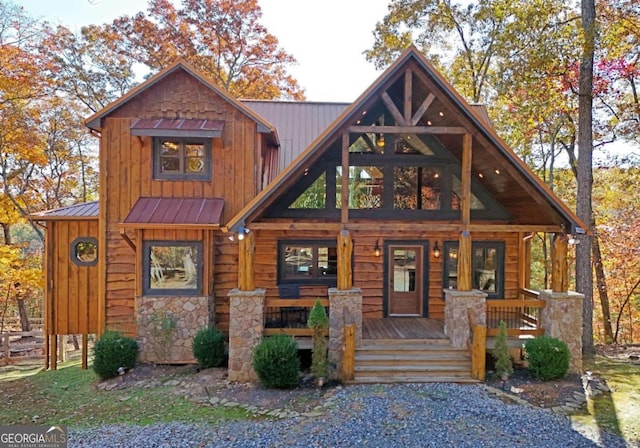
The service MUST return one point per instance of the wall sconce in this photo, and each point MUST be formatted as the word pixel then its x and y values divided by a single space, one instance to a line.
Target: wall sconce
pixel 376 249
pixel 436 250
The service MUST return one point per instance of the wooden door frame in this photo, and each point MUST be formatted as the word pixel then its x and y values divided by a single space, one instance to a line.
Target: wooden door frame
pixel 424 244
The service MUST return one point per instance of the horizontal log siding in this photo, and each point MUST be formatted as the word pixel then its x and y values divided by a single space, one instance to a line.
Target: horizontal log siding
pixel 127 174
pixel 368 269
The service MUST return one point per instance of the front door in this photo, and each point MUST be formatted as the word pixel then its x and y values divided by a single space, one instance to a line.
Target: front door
pixel 405 265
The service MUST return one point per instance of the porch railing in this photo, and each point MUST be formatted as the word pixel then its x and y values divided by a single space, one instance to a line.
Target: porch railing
pixel 522 315
pixel 289 316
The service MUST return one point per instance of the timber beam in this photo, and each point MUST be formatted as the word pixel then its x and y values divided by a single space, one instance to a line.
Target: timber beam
pixel 458 130
pixel 389 226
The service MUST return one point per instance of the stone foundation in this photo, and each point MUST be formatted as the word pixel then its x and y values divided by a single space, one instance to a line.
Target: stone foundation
pixel 246 310
pixel 345 307
pixel 191 314
pixel 562 318
pixel 456 320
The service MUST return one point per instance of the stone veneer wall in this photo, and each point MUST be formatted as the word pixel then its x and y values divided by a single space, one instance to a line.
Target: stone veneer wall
pixel 456 320
pixel 191 313
pixel 246 314
pixel 345 307
pixel 562 318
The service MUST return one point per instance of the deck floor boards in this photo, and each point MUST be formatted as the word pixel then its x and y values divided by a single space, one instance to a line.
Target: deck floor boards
pixel 403 328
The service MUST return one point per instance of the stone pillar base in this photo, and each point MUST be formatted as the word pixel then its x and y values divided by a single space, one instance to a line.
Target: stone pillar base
pixel 456 316
pixel 246 314
pixel 562 318
pixel 190 314
pixel 345 307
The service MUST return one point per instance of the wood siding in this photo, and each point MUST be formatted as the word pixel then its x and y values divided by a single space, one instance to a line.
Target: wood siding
pixel 368 271
pixel 126 173
pixel 72 293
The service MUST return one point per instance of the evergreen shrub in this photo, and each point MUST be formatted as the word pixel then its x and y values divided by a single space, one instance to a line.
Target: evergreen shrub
pixel 209 347
pixel 276 362
pixel 112 351
pixel 548 357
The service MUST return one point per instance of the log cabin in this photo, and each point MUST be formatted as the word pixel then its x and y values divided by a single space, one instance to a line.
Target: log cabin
pixel 403 212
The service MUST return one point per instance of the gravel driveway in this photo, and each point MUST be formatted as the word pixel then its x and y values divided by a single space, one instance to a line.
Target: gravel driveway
pixel 414 415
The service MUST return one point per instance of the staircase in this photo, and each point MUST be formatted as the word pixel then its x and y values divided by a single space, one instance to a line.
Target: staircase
pixel 411 361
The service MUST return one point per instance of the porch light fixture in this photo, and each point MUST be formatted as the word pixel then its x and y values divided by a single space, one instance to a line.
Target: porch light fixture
pixel 376 249
pixel 242 231
pixel 436 250
pixel 380 141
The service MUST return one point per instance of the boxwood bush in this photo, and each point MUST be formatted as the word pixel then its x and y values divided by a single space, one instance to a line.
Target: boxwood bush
pixel 208 347
pixel 112 351
pixel 548 357
pixel 276 362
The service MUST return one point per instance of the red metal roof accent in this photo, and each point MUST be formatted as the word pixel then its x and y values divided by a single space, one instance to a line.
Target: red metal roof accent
pixel 85 210
pixel 178 212
pixel 179 127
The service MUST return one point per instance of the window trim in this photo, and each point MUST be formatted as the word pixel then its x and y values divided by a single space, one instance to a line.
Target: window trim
pixel 157 157
pixel 330 280
pixel 146 271
pixel 73 252
pixel 500 254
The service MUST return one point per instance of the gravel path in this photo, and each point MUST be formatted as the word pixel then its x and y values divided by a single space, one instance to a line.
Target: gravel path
pixel 415 415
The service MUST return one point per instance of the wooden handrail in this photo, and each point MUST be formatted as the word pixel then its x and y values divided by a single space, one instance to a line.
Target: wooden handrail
pixel 283 303
pixel 530 293
pixel 349 352
pixel 516 303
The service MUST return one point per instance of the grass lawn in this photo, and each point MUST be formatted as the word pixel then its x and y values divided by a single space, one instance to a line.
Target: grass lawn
pixel 617 412
pixel 69 396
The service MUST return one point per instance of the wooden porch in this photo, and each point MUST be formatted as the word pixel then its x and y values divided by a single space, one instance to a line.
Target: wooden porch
pixel 403 328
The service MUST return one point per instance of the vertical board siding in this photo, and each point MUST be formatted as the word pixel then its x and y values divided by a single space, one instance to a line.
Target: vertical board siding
pixel 72 295
pixel 127 174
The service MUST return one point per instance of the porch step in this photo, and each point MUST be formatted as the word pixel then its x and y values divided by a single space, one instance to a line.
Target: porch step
pixel 411 361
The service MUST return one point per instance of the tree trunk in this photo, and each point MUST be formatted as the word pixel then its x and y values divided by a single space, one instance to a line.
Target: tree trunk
pixel 24 316
pixel 7 233
pixel 603 292
pixel 584 272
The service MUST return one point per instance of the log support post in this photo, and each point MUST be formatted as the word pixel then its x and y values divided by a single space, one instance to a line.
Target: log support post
pixel 345 251
pixel 246 250
pixel 559 265
pixel 464 247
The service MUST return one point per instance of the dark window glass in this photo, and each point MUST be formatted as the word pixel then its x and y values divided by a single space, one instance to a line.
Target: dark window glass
pixel 488 267
pixel 178 159
pixel 308 262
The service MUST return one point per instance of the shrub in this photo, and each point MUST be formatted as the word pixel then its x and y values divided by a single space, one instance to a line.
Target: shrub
pixel 504 366
pixel 208 347
pixel 276 362
pixel 112 351
pixel 318 322
pixel 548 357
pixel 162 328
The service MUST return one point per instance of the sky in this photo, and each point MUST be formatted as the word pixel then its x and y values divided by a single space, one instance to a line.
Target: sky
pixel 326 37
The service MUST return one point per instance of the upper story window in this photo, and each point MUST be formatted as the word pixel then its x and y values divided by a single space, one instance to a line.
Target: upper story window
pixel 181 158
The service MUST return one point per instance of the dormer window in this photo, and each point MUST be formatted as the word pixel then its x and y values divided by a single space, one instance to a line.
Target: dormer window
pixel 181 159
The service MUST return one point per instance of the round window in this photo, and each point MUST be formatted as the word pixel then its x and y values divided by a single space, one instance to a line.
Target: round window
pixel 84 251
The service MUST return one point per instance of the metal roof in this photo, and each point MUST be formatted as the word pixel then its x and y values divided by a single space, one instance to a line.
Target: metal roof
pixel 175 212
pixel 181 127
pixel 298 123
pixel 86 210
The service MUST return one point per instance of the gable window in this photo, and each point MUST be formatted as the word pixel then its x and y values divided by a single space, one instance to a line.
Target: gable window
pixel 487 260
pixel 84 251
pixel 310 261
pixel 181 159
pixel 172 268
